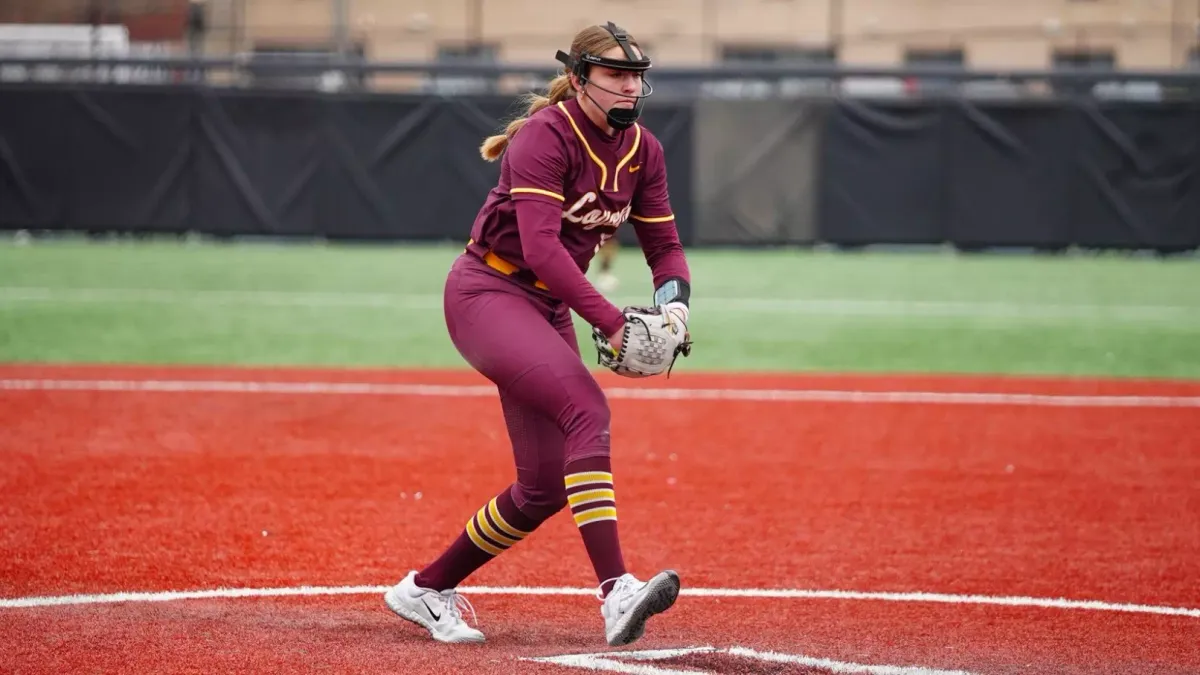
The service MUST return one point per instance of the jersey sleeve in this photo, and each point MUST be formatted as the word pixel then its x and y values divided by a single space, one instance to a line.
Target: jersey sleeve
pixel 654 222
pixel 652 201
pixel 537 163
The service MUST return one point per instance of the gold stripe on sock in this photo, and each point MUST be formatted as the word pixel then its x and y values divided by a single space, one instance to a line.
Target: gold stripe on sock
pixel 589 477
pixel 587 496
pixel 503 524
pixel 592 515
pixel 479 540
pixel 489 531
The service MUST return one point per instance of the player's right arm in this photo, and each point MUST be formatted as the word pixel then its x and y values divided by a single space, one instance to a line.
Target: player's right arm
pixel 537 162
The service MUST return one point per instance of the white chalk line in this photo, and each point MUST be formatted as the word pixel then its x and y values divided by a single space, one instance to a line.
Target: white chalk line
pixel 616 662
pixel 759 593
pixel 839 666
pixel 681 394
pixel 801 306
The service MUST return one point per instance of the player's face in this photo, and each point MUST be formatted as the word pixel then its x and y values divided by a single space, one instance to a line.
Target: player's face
pixel 615 88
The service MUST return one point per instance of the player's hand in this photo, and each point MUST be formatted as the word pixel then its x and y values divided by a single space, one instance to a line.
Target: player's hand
pixel 678 311
pixel 648 343
pixel 617 338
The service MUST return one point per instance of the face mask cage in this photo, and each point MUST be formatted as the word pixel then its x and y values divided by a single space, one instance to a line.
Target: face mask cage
pixel 620 118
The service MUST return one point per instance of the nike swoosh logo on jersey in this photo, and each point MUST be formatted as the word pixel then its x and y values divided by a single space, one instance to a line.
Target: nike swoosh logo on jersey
pixel 634 167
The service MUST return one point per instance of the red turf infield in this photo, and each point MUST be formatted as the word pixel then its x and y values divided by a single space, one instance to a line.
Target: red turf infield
pixel 144 491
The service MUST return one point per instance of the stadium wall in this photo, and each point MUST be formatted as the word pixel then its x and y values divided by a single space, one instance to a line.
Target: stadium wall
pixel 975 174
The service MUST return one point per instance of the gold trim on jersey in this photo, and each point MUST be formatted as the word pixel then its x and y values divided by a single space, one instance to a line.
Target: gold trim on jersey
pixel 586 146
pixel 637 139
pixel 538 191
pixel 659 219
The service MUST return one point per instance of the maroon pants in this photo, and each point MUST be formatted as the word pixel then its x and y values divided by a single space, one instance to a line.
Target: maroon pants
pixel 524 342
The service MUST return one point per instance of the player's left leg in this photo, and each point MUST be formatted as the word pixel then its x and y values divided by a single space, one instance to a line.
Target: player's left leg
pixel 517 510
pixel 498 525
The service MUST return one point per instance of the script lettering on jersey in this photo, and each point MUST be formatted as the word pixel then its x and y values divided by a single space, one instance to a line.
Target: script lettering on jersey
pixel 595 217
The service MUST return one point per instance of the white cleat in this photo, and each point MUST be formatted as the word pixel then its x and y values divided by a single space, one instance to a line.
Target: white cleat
pixel 631 602
pixel 439 613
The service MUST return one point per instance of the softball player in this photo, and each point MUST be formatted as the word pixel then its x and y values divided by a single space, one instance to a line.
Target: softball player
pixel 576 167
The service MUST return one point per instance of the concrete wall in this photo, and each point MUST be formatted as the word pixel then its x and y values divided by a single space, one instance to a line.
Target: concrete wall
pixel 991 33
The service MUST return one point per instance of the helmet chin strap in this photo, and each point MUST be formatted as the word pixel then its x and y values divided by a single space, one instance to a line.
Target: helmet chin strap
pixel 617 117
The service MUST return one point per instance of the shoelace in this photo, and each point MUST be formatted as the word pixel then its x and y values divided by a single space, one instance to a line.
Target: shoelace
pixel 455 603
pixel 600 589
pixel 618 583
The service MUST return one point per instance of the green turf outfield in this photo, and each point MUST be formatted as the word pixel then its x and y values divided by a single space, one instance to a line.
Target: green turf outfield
pixel 787 310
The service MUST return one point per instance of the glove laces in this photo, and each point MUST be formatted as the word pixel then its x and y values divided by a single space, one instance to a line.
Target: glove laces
pixel 684 347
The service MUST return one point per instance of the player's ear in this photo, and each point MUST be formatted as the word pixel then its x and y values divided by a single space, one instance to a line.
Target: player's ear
pixel 575 86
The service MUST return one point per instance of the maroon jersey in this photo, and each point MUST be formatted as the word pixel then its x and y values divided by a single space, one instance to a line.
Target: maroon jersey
pixel 564 187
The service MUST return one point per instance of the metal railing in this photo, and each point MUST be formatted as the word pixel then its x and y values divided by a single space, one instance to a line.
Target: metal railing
pixel 264 69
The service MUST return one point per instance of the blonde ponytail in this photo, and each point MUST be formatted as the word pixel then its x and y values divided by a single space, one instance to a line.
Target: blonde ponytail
pixel 558 90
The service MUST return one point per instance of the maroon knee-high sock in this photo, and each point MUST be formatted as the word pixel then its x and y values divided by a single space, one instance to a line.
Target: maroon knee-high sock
pixel 594 506
pixel 492 530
